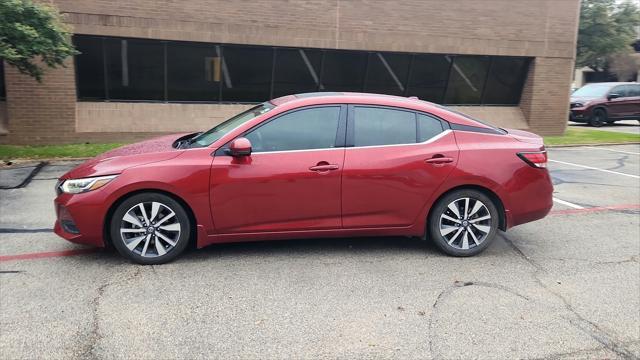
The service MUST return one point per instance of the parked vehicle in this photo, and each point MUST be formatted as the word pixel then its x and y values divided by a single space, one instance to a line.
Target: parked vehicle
pixel 604 103
pixel 311 165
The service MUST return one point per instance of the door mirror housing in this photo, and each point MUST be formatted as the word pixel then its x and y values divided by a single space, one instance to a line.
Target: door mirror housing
pixel 613 96
pixel 239 147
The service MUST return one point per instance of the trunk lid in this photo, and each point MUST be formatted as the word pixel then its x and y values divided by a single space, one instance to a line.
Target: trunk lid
pixel 525 136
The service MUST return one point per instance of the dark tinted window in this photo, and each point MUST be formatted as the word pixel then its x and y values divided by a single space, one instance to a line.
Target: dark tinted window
pixel 344 71
pixel 505 81
pixel 3 93
pixel 297 71
pixel 387 73
pixel 158 70
pixel 467 79
pixel 428 79
pixel 428 127
pixel 314 128
pixel 246 73
pixel 620 90
pixel 194 72
pixel 634 90
pixel 380 126
pixel 90 68
pixel 135 69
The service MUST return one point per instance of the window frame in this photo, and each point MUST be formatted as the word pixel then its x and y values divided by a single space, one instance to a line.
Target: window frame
pixel 350 135
pixel 340 138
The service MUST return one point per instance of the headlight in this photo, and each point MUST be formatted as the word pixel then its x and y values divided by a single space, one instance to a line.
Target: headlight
pixel 76 186
pixel 576 105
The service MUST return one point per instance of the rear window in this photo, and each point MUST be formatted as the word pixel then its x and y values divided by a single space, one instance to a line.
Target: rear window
pixel 379 126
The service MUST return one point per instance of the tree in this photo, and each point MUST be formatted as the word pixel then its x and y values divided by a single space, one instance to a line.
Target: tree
pixel 625 66
pixel 607 27
pixel 32 35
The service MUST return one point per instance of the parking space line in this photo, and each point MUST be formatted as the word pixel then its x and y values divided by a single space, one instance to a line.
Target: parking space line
pixel 595 209
pixel 566 203
pixel 614 150
pixel 48 254
pixel 595 168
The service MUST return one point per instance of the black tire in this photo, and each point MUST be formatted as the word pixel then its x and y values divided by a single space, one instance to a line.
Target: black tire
pixel 166 241
pixel 471 231
pixel 598 118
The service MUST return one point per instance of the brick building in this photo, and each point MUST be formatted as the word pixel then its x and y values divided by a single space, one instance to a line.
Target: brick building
pixel 159 66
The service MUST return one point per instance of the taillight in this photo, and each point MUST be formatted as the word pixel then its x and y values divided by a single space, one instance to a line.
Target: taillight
pixel 537 159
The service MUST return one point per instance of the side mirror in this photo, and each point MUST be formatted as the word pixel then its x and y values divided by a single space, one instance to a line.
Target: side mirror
pixel 240 147
pixel 613 96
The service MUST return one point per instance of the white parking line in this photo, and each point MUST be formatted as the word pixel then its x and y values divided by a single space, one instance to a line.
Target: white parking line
pixel 595 168
pixel 618 151
pixel 567 203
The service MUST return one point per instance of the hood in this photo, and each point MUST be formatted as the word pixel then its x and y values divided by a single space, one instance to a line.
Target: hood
pixel 119 159
pixel 525 136
pixel 583 99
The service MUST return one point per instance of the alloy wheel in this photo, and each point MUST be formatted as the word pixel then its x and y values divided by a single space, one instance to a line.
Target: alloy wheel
pixel 465 223
pixel 150 229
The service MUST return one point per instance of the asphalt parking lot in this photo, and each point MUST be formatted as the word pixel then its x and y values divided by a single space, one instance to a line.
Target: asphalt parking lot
pixel 567 286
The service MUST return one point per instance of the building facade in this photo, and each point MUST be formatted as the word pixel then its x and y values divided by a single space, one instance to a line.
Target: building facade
pixel 159 66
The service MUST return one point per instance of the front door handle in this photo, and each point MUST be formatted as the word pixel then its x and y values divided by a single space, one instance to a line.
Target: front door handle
pixel 439 160
pixel 324 167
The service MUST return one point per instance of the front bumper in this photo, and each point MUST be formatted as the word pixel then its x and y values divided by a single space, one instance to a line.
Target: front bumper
pixel 80 218
pixel 578 115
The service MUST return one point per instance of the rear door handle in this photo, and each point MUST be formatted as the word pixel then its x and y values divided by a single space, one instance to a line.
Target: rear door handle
pixel 326 167
pixel 439 160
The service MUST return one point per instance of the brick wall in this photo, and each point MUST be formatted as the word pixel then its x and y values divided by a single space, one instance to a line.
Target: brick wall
pixel 545 97
pixel 544 29
pixel 41 112
pixel 4 120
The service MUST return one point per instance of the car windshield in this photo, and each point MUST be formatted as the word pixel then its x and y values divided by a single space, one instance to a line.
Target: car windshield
pixel 207 138
pixel 592 90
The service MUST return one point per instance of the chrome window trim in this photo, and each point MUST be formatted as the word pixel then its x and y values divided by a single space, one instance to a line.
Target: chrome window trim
pixel 430 140
pixel 433 139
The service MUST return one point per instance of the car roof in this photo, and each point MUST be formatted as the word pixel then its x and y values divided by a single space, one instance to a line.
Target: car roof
pixel 412 103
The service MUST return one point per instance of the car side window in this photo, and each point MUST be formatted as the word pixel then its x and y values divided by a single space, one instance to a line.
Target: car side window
pixel 428 127
pixel 313 128
pixel 620 90
pixel 381 126
pixel 634 90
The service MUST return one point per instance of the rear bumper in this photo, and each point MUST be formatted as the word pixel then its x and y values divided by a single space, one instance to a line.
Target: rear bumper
pixel 532 201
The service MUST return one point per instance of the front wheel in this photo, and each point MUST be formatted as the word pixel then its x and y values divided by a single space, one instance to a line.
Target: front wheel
pixel 150 228
pixel 463 223
pixel 598 118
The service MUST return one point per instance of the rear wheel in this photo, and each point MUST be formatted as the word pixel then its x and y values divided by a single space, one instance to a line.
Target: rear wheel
pixel 463 223
pixel 150 228
pixel 598 118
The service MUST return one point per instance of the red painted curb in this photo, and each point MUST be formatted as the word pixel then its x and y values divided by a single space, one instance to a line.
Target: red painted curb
pixel 47 254
pixel 595 209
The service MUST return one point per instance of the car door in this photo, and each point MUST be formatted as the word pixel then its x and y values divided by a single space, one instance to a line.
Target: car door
pixel 291 180
pixel 395 159
pixel 634 101
pixel 618 108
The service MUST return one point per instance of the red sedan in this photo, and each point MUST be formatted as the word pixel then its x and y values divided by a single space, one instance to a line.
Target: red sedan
pixel 311 165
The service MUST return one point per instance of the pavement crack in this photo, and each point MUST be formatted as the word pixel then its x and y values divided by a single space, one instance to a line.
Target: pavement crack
pixel 95 335
pixel 576 320
pixel 448 291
